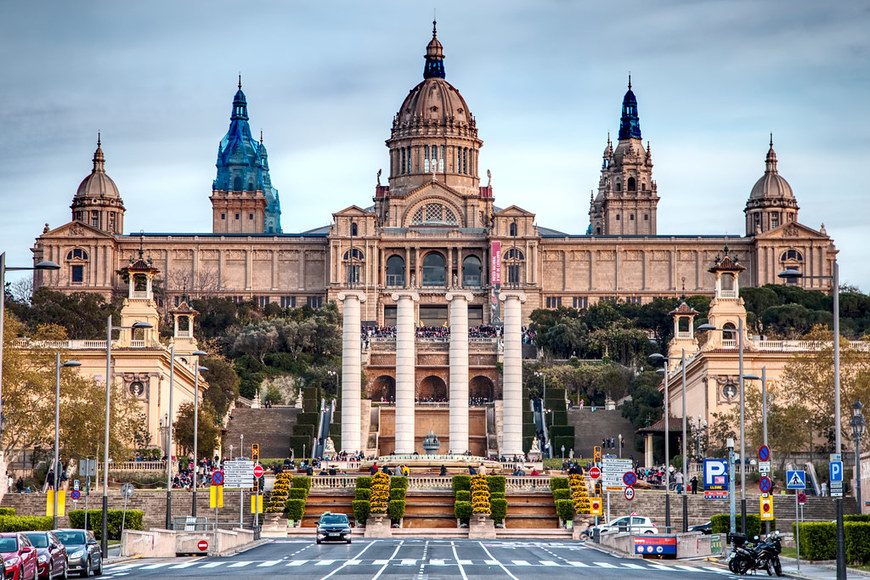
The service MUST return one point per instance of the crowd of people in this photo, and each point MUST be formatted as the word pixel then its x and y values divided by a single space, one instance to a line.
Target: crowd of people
pixel 436 332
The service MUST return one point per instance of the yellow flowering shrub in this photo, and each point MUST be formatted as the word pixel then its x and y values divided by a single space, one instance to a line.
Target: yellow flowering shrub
pixel 579 493
pixel 380 493
pixel 480 495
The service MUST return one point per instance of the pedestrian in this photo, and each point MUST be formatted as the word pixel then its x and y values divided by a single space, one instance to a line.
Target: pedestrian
pixel 678 480
pixel 694 482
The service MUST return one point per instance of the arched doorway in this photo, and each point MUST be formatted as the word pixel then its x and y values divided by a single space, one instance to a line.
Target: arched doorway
pixel 383 389
pixel 481 390
pixel 432 389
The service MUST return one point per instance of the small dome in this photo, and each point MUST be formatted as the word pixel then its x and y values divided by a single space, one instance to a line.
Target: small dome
pixel 98 184
pixel 771 185
pixel 434 100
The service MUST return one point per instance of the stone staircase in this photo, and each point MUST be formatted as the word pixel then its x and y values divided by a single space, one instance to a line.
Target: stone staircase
pixel 590 427
pixel 531 510
pixel 429 509
pixel 270 428
pixel 339 501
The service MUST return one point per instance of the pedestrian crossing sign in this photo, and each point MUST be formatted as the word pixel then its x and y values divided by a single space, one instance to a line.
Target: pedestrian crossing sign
pixel 796 479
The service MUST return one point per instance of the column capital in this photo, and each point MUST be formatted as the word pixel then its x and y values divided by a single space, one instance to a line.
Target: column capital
pixel 505 296
pixel 398 295
pixel 342 296
pixel 459 294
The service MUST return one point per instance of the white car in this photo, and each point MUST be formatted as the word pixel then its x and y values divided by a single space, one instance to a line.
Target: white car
pixel 639 525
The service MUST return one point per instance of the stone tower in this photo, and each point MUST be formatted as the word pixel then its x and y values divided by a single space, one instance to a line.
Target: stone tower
pixel 771 203
pixel 97 201
pixel 726 309
pixel 627 195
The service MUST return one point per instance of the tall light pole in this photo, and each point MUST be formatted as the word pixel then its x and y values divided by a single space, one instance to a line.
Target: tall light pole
pixel 199 369
pixel 858 425
pixel 544 402
pixel 57 367
pixel 835 279
pixel 664 372
pixel 3 269
pixel 104 538
pixel 169 439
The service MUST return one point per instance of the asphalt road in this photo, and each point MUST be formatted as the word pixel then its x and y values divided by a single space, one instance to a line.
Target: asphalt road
pixel 417 559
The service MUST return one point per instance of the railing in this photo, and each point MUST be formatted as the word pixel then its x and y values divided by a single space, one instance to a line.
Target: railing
pixel 72 344
pixel 333 482
pixel 138 466
pixel 395 280
pixel 729 343
pixel 512 482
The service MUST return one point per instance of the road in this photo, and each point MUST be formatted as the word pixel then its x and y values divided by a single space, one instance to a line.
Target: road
pixel 416 559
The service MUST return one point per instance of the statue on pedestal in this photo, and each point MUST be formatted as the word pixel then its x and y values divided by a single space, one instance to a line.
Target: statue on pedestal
pixel 535 451
pixel 329 448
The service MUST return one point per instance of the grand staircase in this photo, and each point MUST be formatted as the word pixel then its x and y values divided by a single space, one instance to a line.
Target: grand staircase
pixel 270 428
pixel 590 427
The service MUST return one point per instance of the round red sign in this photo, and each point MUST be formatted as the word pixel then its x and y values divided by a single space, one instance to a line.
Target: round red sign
pixel 258 470
pixel 202 545
pixel 594 473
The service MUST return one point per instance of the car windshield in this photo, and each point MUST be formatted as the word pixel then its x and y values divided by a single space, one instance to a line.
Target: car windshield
pixel 67 538
pixel 8 545
pixel 334 519
pixel 38 540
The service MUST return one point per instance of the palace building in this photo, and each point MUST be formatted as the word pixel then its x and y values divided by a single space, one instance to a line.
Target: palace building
pixel 433 228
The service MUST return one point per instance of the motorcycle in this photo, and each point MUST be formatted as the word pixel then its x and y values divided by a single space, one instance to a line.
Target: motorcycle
pixel 762 555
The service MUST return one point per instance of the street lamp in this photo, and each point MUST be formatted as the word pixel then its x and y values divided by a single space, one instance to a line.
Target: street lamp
pixel 835 279
pixel 199 369
pixel 710 327
pixel 543 402
pixel 104 540
pixel 3 269
pixel 57 367
pixel 858 424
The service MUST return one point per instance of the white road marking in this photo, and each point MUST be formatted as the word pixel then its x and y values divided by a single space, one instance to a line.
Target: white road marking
pixel 456 557
pixel 605 565
pixel 549 563
pixel 520 563
pixel 155 566
pixel 211 565
pixel 408 562
pixel 465 563
pixel 292 563
pixel 437 563
pixel 633 566
pixel 185 565
pixel 579 564
pixel 393 555
pixel 491 562
pixel 268 563
pixel 379 562
pixel 687 568
pixel 500 565
pixel 324 562
pixel 239 564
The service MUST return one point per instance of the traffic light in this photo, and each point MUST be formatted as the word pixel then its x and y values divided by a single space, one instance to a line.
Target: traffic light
pixel 255 452
pixel 598 488
pixel 597 450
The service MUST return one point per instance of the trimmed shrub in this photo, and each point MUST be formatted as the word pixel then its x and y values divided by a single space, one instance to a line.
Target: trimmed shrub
pixel 846 517
pixel 363 482
pixel 527 443
pixel 499 509
pixel 297 493
pixel 497 495
pixel 301 481
pixel 462 511
pixel 396 494
pixel 559 483
pixel 362 494
pixel 361 511
pixel 463 495
pixel 303 429
pixel 568 442
pixel 818 540
pixel 528 429
pixel 396 509
pixel 565 509
pixel 560 417
pixel 497 483
pixel 561 494
pixel 11 523
pixel 306 419
pixel 857 541
pixel 399 482
pixel 7 511
pixel 562 431
pixel 294 509
pixel 461 482
pixel 133 521
pixel 301 445
pixel 722 525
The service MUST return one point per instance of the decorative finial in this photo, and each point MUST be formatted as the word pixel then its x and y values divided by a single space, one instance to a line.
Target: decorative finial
pixel 141 238
pixel 99 139
pixel 240 81
pixel 629 80
pixel 771 138
pixel 434 26
pixel 488 178
pixel 379 177
pixel 261 136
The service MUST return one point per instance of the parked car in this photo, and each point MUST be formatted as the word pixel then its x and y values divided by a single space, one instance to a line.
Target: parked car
pixel 19 556
pixel 83 553
pixel 703 528
pixel 51 555
pixel 639 525
pixel 333 528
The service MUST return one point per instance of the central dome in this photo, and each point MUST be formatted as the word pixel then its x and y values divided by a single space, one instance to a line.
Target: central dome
pixel 771 185
pixel 98 184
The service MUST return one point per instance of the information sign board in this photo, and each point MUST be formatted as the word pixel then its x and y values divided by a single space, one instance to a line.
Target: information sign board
pixel 716 494
pixel 238 474
pixel 649 545
pixel 764 466
pixel 613 471
pixel 715 474
pixel 796 479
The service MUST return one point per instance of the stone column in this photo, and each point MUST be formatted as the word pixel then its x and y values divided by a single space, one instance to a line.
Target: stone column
pixel 458 388
pixel 405 370
pixel 350 372
pixel 512 440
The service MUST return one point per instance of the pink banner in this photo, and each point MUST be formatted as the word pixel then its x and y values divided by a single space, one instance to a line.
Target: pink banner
pixel 495 265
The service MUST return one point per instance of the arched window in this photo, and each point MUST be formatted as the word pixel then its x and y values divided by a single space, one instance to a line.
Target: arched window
pixel 433 270
pixel 471 272
pixel 78 257
pixel 77 254
pixel 354 230
pixel 631 184
pixel 792 255
pixel 618 186
pixel 730 331
pixel 425 159
pixel 353 260
pixel 395 271
pixel 513 229
pixel 434 214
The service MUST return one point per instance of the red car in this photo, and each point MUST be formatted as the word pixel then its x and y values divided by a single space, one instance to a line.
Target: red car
pixel 51 560
pixel 19 556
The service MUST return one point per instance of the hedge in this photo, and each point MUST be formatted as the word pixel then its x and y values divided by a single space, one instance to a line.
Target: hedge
pixel 7 511
pixel 461 482
pixel 362 494
pixel 497 483
pixel 361 511
pixel 561 494
pixel 364 482
pixel 463 495
pixel 12 523
pixel 857 541
pixel 529 429
pixel 565 509
pixel 527 443
pixel 559 483
pixel 397 493
pixel 722 525
pixel 562 431
pixel 498 509
pixel 303 429
pixel 398 482
pixel 560 417
pixel 497 495
pixel 818 540
pixel 568 442
pixel 301 481
pixel 301 445
pixel 846 517
pixel 133 521
pixel 294 509
pixel 396 510
pixel 297 493
pixel 462 511
pixel 306 419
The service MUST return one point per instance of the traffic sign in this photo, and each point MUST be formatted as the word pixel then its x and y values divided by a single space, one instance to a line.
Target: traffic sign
pixel 765 484
pixel 764 453
pixel 595 507
pixel 217 478
pixel 801 497
pixel 594 473
pixel 764 466
pixel 614 470
pixel 238 474
pixel 258 471
pixel 75 495
pixel 766 508
pixel 629 478
pixel 76 484
pixel 715 474
pixel 202 545
pixel 629 493
pixel 127 490
pixel 836 471
pixel 796 479
pixel 716 494
pixel 770 385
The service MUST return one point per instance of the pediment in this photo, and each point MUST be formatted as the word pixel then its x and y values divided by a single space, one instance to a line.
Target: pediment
pixel 513 211
pixel 353 211
pixel 791 231
pixel 436 188
pixel 75 229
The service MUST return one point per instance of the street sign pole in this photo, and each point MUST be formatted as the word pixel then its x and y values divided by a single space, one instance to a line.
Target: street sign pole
pixel 797 529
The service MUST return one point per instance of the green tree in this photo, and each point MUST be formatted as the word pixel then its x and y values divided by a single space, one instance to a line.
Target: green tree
pixel 208 431
pixel 646 405
pixel 223 384
pixel 82 314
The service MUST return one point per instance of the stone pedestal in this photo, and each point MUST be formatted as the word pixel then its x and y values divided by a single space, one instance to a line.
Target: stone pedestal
pixel 274 525
pixel 579 525
pixel 512 440
pixel 378 526
pixel 405 365
pixel 350 371
pixel 481 527
pixel 458 370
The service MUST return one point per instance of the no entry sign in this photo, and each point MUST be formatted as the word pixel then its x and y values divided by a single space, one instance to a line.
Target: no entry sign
pixel 202 545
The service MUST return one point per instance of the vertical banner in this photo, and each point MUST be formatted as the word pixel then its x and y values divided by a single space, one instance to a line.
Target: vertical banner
pixel 495 282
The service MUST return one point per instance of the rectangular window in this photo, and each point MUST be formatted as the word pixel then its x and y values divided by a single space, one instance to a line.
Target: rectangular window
pixel 223 216
pixel 250 216
pixel 95 219
pixel 237 216
pixel 288 302
pixel 554 301
pixel 78 274
pixel 441 160
pixel 403 161
pixel 581 302
pixel 264 301
pixel 465 161
pixel 646 217
pixel 425 159
pixel 389 316
pixel 315 301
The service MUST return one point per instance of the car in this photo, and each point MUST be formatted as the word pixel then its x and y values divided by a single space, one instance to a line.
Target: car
pixel 51 555
pixel 83 553
pixel 333 528
pixel 19 556
pixel 638 524
pixel 703 528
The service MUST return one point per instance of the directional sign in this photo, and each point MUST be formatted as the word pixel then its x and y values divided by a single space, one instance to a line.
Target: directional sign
pixel 796 479
pixel 802 497
pixel 75 495
pixel 629 493
pixel 716 494
pixel 258 470
pixel 238 474
pixel 217 478
pixel 614 470
pixel 765 484
pixel 629 478
pixel 715 474
pixel 764 466
pixel 594 473
pixel 764 453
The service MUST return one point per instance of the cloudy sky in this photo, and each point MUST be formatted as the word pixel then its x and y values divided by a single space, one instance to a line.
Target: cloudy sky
pixel 544 78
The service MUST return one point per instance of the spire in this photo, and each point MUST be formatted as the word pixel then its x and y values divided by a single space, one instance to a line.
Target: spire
pixel 434 56
pixel 99 158
pixel 770 160
pixel 240 82
pixel 240 104
pixel 629 124
pixel 261 136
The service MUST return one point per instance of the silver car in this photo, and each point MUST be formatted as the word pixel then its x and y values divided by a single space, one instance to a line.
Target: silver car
pixel 638 525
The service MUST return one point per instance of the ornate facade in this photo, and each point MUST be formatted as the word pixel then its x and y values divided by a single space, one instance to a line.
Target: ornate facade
pixel 433 228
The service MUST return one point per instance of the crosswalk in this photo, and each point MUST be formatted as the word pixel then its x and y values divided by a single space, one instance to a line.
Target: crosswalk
pixel 206 564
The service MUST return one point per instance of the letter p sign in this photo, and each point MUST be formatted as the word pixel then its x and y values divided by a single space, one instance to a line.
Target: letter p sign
pixel 715 474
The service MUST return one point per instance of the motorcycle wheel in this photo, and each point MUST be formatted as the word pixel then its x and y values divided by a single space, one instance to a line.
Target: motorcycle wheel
pixel 732 565
pixel 769 567
pixel 743 567
pixel 777 566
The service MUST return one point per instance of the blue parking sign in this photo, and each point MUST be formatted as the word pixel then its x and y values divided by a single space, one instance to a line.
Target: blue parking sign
pixel 836 471
pixel 715 474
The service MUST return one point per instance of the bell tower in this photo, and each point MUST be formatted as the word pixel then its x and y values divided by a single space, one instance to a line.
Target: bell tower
pixel 139 305
pixel 182 329
pixel 684 334
pixel 726 308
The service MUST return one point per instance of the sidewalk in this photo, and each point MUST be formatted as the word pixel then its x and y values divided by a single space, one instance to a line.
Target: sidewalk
pixel 816 570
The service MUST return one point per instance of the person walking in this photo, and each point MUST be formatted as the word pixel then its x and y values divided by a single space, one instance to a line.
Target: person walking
pixel 694 482
pixel 678 480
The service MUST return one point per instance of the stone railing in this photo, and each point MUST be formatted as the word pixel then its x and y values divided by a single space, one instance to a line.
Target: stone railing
pixel 513 483
pixel 430 482
pixel 138 466
pixel 333 482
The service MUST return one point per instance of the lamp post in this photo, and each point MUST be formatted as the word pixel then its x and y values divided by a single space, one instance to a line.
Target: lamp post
pixel 196 372
pixel 3 269
pixel 54 484
pixel 835 279
pixel 543 400
pixel 858 425
pixel 660 357
pixel 710 327
pixel 104 540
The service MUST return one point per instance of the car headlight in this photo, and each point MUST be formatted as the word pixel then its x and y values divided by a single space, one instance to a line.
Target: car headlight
pixel 43 559
pixel 77 554
pixel 11 561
